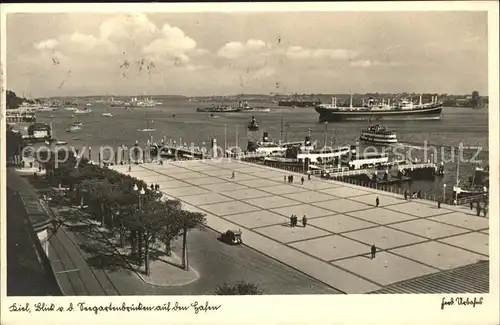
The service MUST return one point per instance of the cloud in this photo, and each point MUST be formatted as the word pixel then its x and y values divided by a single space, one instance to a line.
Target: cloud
pixel 298 52
pixel 47 44
pixel 234 50
pixel 127 28
pixel 173 43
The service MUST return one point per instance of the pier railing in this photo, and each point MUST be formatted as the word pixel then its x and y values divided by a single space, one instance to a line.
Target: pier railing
pixel 356 172
pixel 417 166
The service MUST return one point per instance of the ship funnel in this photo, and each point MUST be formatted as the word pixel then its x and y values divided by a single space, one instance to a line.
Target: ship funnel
pixel 350 101
pixel 420 100
pixel 265 137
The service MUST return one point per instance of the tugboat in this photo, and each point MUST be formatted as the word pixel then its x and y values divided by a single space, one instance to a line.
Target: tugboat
pixel 477 185
pixel 252 125
pixel 379 134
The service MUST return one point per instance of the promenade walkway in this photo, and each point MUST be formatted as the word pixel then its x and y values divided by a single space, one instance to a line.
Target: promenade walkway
pixel 414 238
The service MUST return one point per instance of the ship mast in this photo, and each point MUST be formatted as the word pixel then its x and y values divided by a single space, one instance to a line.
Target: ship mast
pixel 350 100
pixel 225 140
pixel 281 131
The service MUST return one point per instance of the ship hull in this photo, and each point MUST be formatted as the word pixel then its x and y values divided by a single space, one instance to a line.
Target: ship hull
pixel 209 110
pixel 332 115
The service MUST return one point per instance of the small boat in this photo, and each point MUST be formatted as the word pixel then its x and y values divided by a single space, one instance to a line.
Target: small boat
pixel 83 111
pixel 61 143
pixel 107 114
pixel 378 134
pixel 252 125
pixel 89 104
pixel 71 108
pixel 76 126
pixel 213 116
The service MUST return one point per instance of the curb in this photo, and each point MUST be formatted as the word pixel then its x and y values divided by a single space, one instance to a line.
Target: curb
pixel 138 273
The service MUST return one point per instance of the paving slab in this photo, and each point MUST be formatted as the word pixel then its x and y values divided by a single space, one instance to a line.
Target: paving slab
pixel 302 209
pixel 246 193
pixel 223 173
pixel 201 167
pixel 383 237
pixel 332 247
pixel 270 202
pixel 474 241
pixel 385 268
pixel 225 186
pixel 463 220
pixel 226 208
pixel 188 175
pixel 487 232
pixel 208 198
pixel 171 170
pixel 381 215
pixel 144 173
pixel 270 174
pixel 153 178
pixel 251 170
pixel 439 255
pixel 283 189
pixel 168 184
pixel 342 205
pixel 259 218
pixel 340 223
pixel 310 197
pixel 239 177
pixel 316 184
pixel 344 191
pixel 427 228
pixel 257 183
pixel 286 234
pixel 384 200
pixel 205 180
pixel 183 191
pixel 418 209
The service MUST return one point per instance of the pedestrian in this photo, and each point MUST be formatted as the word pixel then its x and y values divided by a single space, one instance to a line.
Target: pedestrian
pixel 152 187
pixel 373 251
pixel 302 180
pixel 377 201
pixel 309 176
pixel 295 221
pixel 471 204
pixel 478 209
pixel 291 178
pixel 291 221
pixel 232 175
pixel 485 211
pixel 304 221
pixel 439 203
pixel 406 195
pixel 284 178
pixel 129 168
pixel 419 194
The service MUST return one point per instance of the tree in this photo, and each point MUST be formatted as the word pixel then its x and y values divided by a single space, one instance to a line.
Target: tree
pixel 238 288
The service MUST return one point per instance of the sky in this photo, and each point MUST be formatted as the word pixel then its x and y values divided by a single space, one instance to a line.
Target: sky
pixel 210 53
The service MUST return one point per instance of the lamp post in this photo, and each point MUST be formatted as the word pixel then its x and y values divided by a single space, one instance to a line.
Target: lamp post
pixel 140 192
pixel 444 193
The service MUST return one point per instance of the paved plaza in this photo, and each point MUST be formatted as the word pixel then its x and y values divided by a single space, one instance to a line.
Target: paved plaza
pixel 413 238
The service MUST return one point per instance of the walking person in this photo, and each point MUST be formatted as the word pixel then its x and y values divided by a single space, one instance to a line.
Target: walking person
pixel 291 178
pixel 308 176
pixel 284 178
pixel 471 204
pixel 232 175
pixel 291 221
pixel 295 219
pixel 377 202
pixel 302 180
pixel 439 203
pixel 373 251
pixel 304 221
pixel 406 195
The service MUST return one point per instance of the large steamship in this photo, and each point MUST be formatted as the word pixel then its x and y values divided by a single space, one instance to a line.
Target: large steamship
pixel 400 110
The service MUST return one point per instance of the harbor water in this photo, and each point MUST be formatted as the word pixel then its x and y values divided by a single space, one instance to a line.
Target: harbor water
pixel 178 120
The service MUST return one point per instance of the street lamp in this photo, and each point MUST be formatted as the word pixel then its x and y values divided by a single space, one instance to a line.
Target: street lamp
pixel 444 193
pixel 141 192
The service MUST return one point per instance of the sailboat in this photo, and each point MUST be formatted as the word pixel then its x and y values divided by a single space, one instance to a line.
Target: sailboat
pixel 147 128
